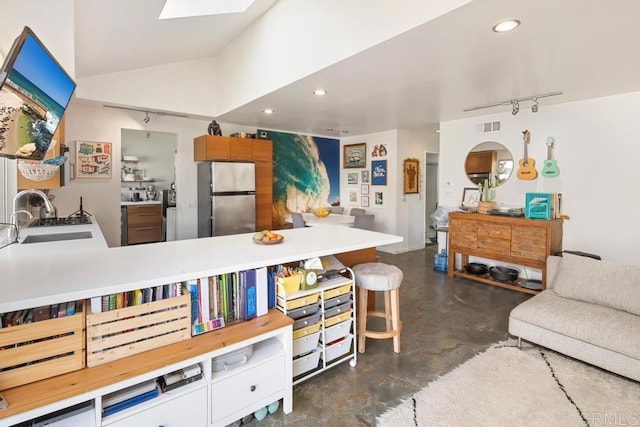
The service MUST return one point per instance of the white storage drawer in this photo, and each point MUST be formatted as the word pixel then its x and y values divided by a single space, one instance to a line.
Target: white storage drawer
pixel 239 391
pixel 306 363
pixel 305 344
pixel 339 349
pixel 338 331
pixel 187 410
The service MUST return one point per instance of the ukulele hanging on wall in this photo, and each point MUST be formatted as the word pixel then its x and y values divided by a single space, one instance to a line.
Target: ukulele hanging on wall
pixel 550 169
pixel 527 170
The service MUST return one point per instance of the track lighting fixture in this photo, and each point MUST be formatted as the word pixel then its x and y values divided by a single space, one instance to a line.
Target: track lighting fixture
pixel 515 107
pixel 515 103
pixel 146 119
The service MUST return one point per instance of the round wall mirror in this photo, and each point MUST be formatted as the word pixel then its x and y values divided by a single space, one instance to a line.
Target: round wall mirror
pixel 489 160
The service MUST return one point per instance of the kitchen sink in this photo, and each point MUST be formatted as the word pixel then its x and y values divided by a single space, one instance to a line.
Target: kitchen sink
pixel 57 237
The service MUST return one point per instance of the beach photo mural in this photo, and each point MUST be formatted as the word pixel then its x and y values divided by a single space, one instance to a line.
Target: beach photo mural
pixel 306 173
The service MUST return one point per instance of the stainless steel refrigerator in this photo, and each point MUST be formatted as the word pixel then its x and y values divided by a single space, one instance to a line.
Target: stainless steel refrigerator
pixel 226 198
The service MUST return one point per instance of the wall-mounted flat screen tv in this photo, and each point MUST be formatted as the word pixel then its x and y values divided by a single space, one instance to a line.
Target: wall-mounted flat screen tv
pixel 34 93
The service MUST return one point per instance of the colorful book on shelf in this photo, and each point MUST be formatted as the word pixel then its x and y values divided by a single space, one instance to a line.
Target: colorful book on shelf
pixel 262 291
pixel 249 295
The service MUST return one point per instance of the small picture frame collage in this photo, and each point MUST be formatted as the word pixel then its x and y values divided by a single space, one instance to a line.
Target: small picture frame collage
pixel 355 156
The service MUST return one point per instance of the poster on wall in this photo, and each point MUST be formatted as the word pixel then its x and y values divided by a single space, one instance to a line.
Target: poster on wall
pixel 306 172
pixel 93 159
pixel 352 178
pixel 378 172
pixel 353 197
pixel 411 176
pixel 378 198
pixel 379 150
pixel 355 156
pixel 365 176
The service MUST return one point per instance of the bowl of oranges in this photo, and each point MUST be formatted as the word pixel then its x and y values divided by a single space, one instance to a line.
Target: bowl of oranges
pixel 267 237
pixel 322 212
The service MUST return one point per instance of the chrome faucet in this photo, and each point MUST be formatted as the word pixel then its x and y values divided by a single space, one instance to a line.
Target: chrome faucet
pixel 47 205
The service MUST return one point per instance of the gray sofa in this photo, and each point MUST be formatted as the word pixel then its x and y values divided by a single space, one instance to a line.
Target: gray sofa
pixel 589 311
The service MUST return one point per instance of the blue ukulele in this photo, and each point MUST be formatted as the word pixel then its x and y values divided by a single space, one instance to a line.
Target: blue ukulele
pixel 550 169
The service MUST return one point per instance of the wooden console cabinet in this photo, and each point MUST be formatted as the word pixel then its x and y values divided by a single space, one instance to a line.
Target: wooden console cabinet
pixel 520 241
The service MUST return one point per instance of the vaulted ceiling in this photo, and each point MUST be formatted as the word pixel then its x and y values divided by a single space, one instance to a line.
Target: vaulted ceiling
pixel 584 48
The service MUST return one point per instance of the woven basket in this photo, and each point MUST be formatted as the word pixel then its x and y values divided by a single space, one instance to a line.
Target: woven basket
pixel 37 171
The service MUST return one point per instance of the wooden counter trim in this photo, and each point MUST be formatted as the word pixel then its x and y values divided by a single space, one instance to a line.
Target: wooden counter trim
pixel 87 380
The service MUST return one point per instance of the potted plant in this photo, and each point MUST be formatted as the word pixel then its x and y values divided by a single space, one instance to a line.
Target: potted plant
pixel 486 196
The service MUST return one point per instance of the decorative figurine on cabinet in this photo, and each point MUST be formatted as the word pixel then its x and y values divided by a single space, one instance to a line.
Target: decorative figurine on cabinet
pixel 214 129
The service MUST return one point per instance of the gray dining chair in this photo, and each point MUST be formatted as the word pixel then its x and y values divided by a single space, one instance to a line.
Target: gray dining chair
pixel 356 211
pixel 297 219
pixel 364 222
pixel 337 210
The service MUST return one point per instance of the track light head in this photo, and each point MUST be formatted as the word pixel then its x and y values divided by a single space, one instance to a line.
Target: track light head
pixel 146 119
pixel 515 107
pixel 534 106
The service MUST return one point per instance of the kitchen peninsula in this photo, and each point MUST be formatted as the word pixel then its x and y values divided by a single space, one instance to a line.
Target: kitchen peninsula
pixel 61 277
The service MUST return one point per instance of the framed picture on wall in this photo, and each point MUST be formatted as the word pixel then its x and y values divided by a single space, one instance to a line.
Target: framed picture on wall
pixel 352 178
pixel 364 175
pixel 364 189
pixel 354 156
pixel 93 159
pixel 411 176
pixel 378 199
pixel 364 201
pixel 353 197
pixel 378 172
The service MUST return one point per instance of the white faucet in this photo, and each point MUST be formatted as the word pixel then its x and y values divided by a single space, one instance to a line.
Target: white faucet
pixel 47 205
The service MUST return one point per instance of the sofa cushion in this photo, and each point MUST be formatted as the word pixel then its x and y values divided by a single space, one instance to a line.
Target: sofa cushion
pixel 591 323
pixel 600 282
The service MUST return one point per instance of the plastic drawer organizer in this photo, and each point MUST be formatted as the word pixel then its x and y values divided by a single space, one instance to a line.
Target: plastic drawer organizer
pixel 324 324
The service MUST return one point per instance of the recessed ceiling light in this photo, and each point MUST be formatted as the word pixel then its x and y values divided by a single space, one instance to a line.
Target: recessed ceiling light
pixel 268 111
pixel 504 26
pixel 330 129
pixel 319 92
pixel 345 131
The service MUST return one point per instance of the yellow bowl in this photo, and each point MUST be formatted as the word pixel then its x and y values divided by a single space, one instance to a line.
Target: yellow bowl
pixel 322 212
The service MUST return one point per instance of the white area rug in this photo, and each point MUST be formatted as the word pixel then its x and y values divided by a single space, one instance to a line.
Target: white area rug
pixel 532 386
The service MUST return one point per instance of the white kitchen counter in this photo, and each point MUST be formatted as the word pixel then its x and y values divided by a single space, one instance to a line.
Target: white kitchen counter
pixel 56 276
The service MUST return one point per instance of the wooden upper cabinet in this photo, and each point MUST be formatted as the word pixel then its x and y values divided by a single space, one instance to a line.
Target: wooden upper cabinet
pixel 241 149
pixel 210 148
pixel 480 162
pixel 53 182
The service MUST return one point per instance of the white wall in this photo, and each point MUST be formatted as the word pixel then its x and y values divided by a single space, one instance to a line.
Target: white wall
pixel 597 147
pixel 101 197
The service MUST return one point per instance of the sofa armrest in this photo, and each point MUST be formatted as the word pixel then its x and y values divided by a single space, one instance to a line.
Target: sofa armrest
pixel 553 264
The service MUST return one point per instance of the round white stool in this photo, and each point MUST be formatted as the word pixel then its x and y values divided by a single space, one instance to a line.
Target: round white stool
pixel 379 277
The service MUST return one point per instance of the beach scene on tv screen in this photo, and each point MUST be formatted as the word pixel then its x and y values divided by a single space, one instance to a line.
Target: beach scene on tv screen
pixel 32 101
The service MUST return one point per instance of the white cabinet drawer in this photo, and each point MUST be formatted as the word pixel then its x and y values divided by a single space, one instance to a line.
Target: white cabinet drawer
pixel 236 392
pixel 187 410
pixel 306 344
pixel 338 331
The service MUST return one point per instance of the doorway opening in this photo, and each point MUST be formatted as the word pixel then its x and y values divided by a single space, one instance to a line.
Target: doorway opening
pixel 431 196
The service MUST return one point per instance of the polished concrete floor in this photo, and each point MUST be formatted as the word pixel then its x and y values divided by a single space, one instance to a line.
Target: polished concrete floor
pixel 446 322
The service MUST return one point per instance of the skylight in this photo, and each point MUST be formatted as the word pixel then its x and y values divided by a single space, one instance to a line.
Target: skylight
pixel 187 8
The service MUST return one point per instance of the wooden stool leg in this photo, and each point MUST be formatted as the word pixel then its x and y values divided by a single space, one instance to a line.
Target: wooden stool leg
pixel 387 309
pixel 362 318
pixel 395 318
